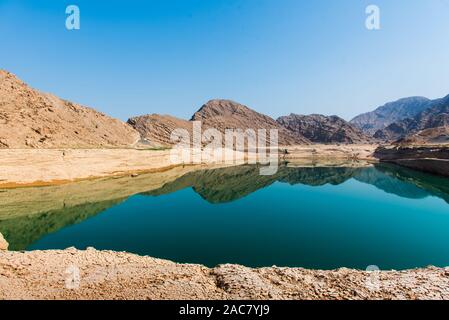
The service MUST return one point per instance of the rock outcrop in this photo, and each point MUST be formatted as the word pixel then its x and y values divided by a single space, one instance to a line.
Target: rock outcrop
pixel 322 129
pixel 120 275
pixel 431 136
pixel 32 119
pixel 389 113
pixel 3 243
pixel 156 129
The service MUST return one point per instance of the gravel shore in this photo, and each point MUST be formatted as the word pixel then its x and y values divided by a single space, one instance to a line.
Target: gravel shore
pixel 92 274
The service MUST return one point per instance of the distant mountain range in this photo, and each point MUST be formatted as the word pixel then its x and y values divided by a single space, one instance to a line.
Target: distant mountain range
pixel 434 116
pixel 31 119
pixel 383 116
pixel 226 114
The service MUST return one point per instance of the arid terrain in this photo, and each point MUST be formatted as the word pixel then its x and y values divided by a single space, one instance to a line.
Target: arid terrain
pixel 48 141
pixel 217 114
pixel 92 274
pixel 32 119
pixel 321 129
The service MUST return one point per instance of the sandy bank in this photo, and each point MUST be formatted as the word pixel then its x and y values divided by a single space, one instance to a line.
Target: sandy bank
pixel 51 166
pixel 91 274
pixel 28 167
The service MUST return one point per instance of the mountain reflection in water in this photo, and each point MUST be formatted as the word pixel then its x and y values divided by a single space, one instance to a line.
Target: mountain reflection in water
pixel 30 214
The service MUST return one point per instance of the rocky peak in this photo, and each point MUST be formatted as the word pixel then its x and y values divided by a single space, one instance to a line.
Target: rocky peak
pixel 323 129
pixel 219 107
pixel 226 114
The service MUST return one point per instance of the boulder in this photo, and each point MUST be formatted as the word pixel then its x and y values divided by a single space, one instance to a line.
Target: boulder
pixel 3 244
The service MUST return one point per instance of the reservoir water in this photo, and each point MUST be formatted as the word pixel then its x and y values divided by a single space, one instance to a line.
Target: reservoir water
pixel 311 217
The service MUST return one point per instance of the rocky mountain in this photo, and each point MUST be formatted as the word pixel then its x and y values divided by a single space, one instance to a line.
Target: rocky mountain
pixel 217 114
pixel 436 115
pixel 32 119
pixel 227 114
pixel 322 129
pixel 155 130
pixel 431 136
pixel 389 113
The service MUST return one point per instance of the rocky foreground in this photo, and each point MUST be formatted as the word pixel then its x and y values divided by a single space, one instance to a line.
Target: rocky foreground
pixel 92 274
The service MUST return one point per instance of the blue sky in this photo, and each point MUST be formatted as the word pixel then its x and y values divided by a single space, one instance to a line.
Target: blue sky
pixel 276 56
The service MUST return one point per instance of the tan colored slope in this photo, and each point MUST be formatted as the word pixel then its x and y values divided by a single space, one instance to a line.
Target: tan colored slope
pixel 156 129
pixel 119 275
pixel 31 119
pixel 432 136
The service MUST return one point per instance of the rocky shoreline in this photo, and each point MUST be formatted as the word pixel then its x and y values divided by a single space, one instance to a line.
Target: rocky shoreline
pixel 429 158
pixel 91 274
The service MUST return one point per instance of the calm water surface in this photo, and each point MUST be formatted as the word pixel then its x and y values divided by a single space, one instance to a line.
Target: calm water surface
pixel 306 217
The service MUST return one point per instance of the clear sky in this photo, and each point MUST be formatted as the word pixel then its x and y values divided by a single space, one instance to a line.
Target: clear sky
pixel 276 56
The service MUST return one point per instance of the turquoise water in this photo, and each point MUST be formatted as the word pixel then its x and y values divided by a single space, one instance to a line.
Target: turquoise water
pixel 321 218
